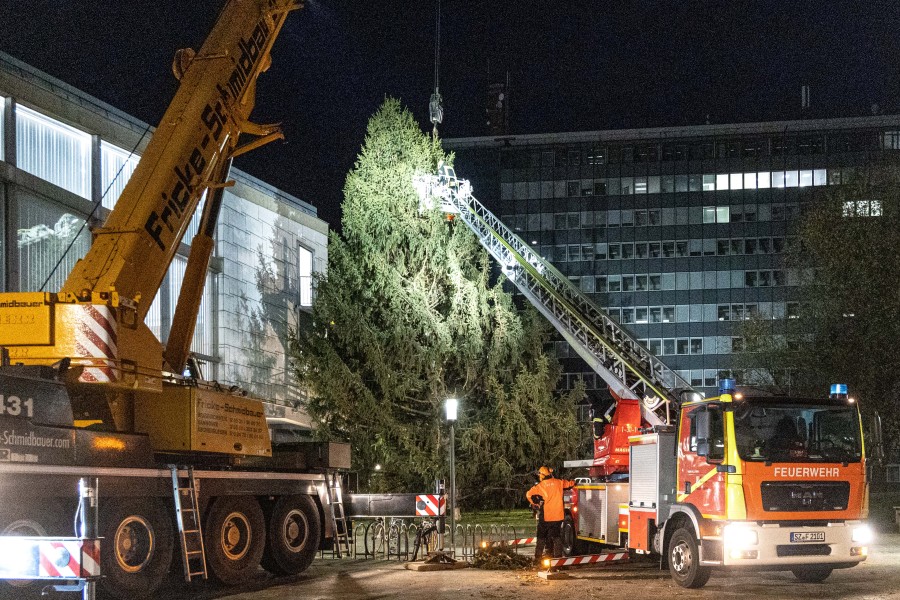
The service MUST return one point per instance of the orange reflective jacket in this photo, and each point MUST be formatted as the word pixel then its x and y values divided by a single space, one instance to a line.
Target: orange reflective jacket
pixel 552 492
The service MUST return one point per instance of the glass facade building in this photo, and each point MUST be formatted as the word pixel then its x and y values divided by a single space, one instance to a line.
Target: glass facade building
pixel 679 233
pixel 64 160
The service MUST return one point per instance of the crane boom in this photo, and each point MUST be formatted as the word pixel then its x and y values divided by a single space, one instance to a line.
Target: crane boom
pixel 627 367
pixel 96 320
pixel 199 131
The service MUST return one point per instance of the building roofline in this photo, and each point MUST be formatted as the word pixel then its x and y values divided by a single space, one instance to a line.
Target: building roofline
pixel 680 132
pixel 47 82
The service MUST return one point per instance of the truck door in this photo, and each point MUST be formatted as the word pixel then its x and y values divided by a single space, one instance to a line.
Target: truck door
pixel 701 448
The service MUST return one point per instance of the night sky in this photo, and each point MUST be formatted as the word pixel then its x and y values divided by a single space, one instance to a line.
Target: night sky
pixel 572 66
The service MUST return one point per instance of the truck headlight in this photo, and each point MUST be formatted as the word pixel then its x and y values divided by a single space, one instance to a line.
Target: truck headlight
pixel 739 536
pixel 862 534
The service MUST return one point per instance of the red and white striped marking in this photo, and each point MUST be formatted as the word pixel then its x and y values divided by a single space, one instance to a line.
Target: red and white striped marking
pixel 96 337
pixel 430 505
pixel 517 542
pixel 586 560
pixel 69 559
pixel 90 558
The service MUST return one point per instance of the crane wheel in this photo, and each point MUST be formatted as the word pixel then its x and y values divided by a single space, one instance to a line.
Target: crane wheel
pixel 234 536
pixel 136 553
pixel 292 535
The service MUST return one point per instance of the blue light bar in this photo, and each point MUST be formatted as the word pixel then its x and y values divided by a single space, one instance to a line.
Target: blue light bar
pixel 838 389
pixel 727 386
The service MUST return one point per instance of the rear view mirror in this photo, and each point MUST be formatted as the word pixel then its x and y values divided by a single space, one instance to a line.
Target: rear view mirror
pixel 877 441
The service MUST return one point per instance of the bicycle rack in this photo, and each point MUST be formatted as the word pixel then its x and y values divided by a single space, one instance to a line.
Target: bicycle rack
pixel 359 531
pixel 469 539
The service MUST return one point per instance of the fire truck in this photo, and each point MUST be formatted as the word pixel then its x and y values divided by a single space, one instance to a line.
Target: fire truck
pixel 184 468
pixel 730 482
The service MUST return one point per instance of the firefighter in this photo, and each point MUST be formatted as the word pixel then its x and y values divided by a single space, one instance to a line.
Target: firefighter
pixel 552 511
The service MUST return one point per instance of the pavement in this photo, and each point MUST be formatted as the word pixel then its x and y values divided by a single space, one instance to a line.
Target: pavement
pixel 359 579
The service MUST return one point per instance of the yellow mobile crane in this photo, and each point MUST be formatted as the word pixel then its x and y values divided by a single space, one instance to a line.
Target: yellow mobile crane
pixel 87 390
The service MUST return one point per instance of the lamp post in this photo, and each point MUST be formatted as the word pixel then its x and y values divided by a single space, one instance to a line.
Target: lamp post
pixel 451 407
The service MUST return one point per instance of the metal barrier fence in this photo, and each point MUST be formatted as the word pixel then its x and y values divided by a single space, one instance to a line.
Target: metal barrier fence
pixel 391 538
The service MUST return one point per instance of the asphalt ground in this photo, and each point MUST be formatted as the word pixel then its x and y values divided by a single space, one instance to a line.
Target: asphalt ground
pixel 357 579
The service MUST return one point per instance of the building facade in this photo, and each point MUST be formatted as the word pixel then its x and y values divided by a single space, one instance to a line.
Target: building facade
pixel 65 158
pixel 679 233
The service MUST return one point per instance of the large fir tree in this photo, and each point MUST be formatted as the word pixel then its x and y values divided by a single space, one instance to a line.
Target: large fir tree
pixel 406 318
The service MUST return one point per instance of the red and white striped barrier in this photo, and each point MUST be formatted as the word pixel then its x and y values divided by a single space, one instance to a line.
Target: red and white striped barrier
pixel 49 558
pixel 570 561
pixel 518 542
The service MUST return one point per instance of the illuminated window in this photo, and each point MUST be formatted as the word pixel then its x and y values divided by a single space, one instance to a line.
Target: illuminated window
pixel 722 181
pixel 749 181
pixel 116 167
pixel 305 264
pixel 53 151
pixel 862 208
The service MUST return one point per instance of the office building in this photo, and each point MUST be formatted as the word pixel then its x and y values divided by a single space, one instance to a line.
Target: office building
pixel 679 233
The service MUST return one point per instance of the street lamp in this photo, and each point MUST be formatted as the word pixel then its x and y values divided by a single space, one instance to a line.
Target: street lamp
pixel 451 407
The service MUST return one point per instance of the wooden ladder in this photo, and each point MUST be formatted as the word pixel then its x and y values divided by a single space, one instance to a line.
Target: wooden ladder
pixel 339 524
pixel 187 515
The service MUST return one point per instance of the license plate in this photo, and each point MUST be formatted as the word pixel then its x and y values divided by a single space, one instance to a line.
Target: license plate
pixel 807 536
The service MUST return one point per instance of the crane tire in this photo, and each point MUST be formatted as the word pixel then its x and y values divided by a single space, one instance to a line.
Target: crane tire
pixel 234 536
pixel 292 535
pixel 136 551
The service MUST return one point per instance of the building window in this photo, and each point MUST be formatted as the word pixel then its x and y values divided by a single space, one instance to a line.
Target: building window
pixel 716 214
pixel 116 167
pixel 53 151
pixel 862 208
pixel 305 264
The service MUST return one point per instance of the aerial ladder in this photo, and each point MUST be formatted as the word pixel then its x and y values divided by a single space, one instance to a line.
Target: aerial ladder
pixel 636 378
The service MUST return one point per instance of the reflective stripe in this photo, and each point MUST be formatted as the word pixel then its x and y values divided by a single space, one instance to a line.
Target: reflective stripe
pixel 698 485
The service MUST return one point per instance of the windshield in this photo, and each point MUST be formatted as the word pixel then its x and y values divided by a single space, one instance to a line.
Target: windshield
pixel 783 432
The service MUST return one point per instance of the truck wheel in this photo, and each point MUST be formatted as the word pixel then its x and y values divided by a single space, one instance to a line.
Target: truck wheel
pixel 136 551
pixel 571 545
pixel 234 536
pixel 684 560
pixel 292 535
pixel 812 574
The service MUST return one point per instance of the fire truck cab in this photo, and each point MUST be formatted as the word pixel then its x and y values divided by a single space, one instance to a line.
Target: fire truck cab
pixel 766 483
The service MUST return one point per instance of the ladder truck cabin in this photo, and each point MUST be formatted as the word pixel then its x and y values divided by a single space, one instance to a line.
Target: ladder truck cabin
pixel 723 483
pixel 186 471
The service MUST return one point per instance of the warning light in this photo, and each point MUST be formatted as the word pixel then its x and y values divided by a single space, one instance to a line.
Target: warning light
pixel 839 390
pixel 727 386
pixel 546 563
